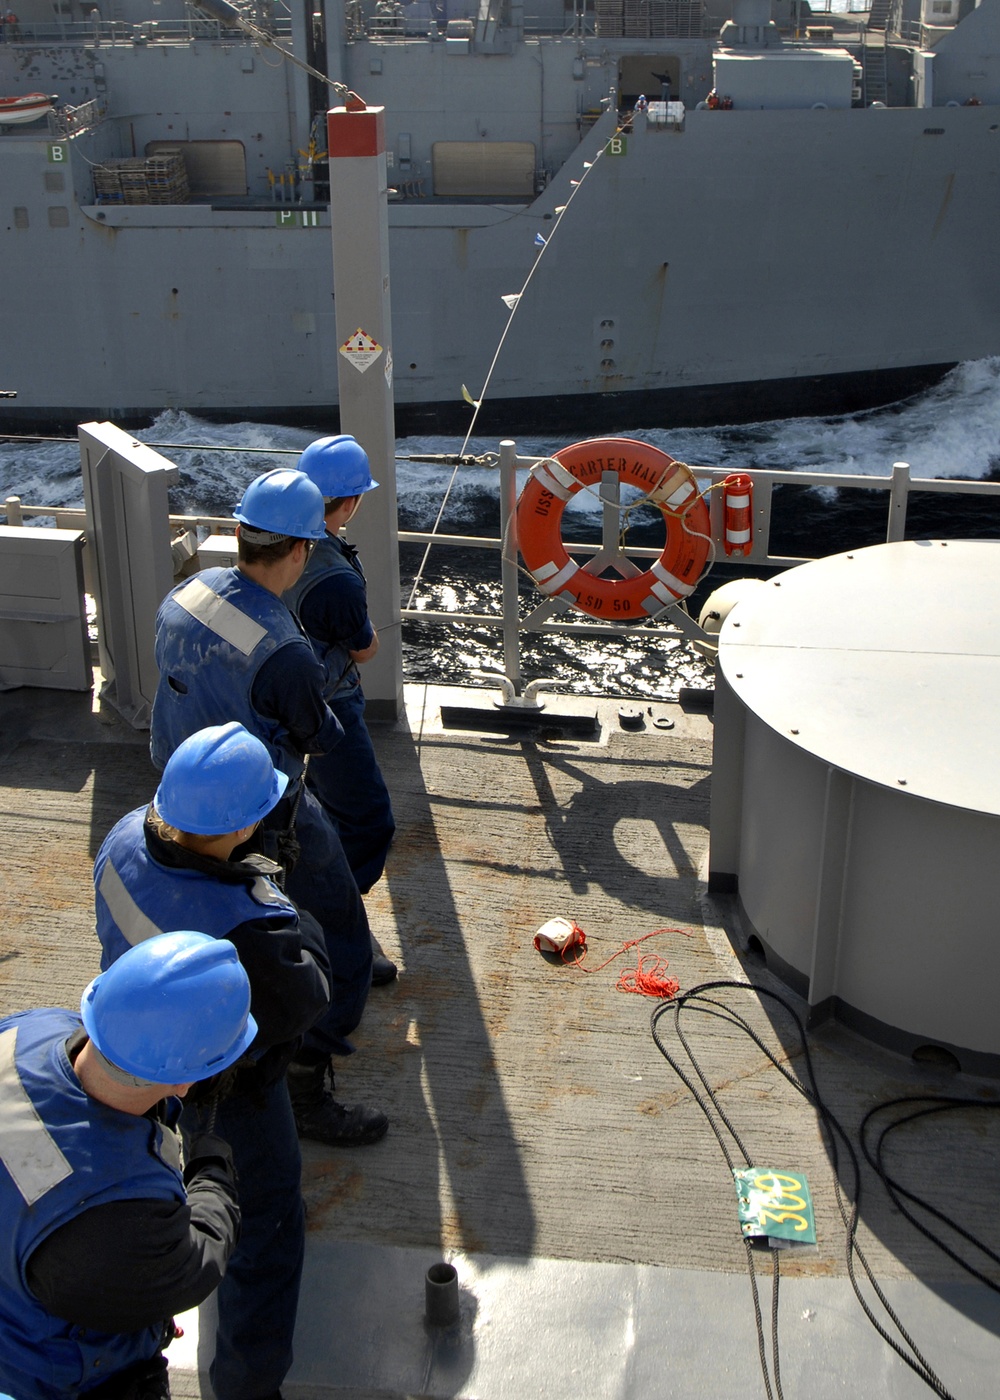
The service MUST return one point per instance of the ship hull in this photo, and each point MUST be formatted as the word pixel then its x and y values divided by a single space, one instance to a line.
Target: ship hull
pixel 613 411
pixel 751 264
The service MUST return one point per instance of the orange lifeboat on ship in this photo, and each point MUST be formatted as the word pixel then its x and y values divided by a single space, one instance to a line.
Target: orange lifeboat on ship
pixel 16 111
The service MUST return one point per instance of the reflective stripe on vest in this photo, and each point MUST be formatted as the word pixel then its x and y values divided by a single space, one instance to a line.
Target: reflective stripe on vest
pixel 133 923
pixel 27 1148
pixel 220 617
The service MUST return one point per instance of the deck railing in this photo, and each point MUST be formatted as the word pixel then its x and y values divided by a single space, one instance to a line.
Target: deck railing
pixel 550 615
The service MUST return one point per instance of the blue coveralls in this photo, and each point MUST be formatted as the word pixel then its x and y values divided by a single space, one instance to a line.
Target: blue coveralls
pixel 137 897
pixel 213 634
pixel 348 780
pixel 63 1153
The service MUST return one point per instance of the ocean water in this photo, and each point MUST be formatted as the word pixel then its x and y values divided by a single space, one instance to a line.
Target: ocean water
pixel 952 430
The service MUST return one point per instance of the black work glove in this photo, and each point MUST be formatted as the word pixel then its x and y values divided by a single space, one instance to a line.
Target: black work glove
pixel 207 1152
pixel 220 1086
pixel 289 851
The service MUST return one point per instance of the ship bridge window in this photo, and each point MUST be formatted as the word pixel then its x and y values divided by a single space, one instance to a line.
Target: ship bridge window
pixel 491 168
pixel 213 167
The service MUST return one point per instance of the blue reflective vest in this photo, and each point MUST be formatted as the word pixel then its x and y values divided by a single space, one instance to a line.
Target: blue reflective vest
pixel 137 897
pixel 62 1153
pixel 213 634
pixel 331 556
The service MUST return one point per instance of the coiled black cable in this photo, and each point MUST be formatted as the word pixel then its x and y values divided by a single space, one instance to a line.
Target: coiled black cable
pixel 708 1102
pixel 933 1104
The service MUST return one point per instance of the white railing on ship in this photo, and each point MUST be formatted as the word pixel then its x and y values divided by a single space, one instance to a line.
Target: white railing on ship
pixel 69 121
pixel 897 487
pixel 114 31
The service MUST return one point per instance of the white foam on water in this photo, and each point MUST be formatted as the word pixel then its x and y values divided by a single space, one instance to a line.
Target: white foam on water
pixel 950 430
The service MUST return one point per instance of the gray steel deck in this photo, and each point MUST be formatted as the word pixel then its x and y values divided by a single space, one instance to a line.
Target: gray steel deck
pixel 539 1140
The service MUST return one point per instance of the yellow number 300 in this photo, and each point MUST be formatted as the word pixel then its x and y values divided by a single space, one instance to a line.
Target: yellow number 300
pixel 782 1189
pixel 781 1216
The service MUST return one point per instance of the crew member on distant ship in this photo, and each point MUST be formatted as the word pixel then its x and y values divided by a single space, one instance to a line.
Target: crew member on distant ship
pixel 173 861
pixel 227 648
pixel 713 101
pixel 664 81
pixel 641 105
pixel 106 1237
pixel 331 602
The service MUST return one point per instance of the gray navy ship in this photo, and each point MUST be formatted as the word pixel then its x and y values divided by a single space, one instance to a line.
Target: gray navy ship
pixel 707 215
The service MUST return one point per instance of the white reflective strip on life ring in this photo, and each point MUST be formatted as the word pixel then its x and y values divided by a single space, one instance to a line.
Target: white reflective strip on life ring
pixel 660 596
pixel 549 582
pixel 738 536
pixel 680 495
pixel 673 488
pixel 658 571
pixel 737 502
pixel 671 594
pixel 553 477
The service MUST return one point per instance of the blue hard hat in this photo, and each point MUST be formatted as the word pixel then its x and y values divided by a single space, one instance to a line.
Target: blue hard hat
pixel 219 780
pixel 283 502
pixel 172 1010
pixel 338 466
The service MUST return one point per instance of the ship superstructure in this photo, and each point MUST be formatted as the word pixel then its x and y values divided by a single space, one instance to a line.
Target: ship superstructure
pixel 800 219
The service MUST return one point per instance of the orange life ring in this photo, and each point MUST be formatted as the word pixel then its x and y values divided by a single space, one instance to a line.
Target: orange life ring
pixel 737 501
pixel 668 484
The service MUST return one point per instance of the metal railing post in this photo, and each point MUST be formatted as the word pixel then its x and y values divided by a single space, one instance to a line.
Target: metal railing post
pixel 899 493
pixel 13 504
pixel 508 565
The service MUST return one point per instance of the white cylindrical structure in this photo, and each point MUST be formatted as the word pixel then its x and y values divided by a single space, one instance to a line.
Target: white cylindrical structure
pixel 856 789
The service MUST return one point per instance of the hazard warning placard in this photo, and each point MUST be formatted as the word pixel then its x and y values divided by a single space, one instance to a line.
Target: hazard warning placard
pixel 361 350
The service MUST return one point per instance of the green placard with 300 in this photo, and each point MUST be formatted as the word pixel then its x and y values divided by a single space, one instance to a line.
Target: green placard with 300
pixel 776 1204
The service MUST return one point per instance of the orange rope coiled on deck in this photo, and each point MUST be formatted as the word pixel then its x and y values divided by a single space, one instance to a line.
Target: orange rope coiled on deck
pixel 647 978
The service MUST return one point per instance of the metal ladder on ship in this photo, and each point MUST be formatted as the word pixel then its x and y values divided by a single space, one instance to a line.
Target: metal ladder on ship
pixel 878 15
pixel 876 86
pixel 880 19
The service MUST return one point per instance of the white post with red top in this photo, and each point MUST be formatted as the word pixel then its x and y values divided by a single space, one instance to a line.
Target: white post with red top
pixel 360 227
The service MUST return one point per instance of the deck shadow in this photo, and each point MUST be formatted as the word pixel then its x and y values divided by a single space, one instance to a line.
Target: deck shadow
pixel 432 1066
pixel 502 1074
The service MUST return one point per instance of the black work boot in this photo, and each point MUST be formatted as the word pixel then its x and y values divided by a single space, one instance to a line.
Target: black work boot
pixel 320 1117
pixel 383 967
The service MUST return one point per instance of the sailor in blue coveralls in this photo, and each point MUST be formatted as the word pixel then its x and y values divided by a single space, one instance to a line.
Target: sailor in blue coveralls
pixel 105 1236
pixel 173 862
pixel 330 601
pixel 227 648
